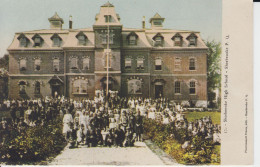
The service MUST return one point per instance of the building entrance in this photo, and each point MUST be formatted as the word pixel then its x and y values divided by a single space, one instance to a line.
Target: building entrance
pixel 158 91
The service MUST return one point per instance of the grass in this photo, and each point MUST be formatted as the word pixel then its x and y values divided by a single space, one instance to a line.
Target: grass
pixel 215 116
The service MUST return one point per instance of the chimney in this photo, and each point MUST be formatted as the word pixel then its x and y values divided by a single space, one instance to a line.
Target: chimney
pixel 143 22
pixel 70 22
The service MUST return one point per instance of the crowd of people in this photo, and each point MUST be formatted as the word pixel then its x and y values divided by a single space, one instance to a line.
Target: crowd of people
pixel 113 121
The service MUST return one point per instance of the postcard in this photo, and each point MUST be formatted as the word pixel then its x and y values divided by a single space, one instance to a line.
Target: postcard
pixel 132 82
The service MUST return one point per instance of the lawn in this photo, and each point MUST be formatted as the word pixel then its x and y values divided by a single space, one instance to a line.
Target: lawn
pixel 215 116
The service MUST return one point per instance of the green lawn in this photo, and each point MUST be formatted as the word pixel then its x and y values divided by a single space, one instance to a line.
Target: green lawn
pixel 215 116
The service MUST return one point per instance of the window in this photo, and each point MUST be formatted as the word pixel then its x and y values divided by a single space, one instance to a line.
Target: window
pixel 177 64
pixel 134 86
pixel 22 85
pixel 82 40
pixel 105 36
pixel 177 41
pixel 140 63
pixel 192 63
pixel 132 40
pixel 37 88
pixel 22 64
pixel 56 41
pixel 74 63
pixel 159 22
pixel 158 41
pixel 56 65
pixel 37 64
pixel 177 87
pixel 192 87
pixel 108 18
pixel 37 41
pixel 158 64
pixel 177 38
pixel 192 41
pixel 23 42
pixel 86 63
pixel 128 63
pixel 80 86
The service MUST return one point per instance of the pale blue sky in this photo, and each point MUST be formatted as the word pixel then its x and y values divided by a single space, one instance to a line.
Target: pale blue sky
pixel 25 15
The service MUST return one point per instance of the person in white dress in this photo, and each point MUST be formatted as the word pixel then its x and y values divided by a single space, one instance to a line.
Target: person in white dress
pixel 67 121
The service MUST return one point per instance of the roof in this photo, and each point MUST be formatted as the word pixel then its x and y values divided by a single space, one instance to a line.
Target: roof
pixel 56 17
pixel 156 17
pixel 108 4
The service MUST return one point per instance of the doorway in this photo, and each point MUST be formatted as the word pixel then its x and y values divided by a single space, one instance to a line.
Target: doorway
pixel 158 91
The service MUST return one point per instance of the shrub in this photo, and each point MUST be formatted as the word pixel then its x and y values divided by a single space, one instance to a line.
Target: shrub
pixel 34 145
pixel 200 151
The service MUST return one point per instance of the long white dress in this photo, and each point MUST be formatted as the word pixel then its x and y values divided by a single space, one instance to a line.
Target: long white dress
pixel 67 119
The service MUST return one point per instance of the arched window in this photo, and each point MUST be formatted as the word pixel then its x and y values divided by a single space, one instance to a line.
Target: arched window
pixel 140 63
pixel 37 87
pixel 23 64
pixel 177 87
pixel 74 63
pixel 128 63
pixel 56 64
pixel 86 63
pixel 177 64
pixel 134 86
pixel 192 64
pixel 22 85
pixel 37 64
pixel 80 86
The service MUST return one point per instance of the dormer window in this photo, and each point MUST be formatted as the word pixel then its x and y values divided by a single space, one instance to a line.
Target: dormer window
pixel 23 40
pixel 108 18
pixel 82 39
pixel 56 40
pixel 177 39
pixel 132 38
pixel 158 40
pixel 192 40
pixel 38 41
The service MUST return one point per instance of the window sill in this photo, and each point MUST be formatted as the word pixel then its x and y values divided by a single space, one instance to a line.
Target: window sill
pixel 177 94
pixel 193 94
pixel 157 70
pixel 134 93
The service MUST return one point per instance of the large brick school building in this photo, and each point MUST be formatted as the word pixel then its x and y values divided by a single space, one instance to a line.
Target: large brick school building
pixel 147 62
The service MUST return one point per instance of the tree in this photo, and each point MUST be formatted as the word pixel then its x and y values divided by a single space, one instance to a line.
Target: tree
pixel 4 61
pixel 214 70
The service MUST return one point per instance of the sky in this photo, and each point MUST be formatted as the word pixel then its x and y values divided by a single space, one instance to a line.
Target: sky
pixel 204 16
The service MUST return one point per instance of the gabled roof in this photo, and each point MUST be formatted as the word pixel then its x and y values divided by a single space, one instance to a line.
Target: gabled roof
pixel 55 36
pixel 158 35
pixel 80 34
pixel 192 35
pixel 156 17
pixel 22 36
pixel 56 17
pixel 177 35
pixel 132 34
pixel 37 36
pixel 108 4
